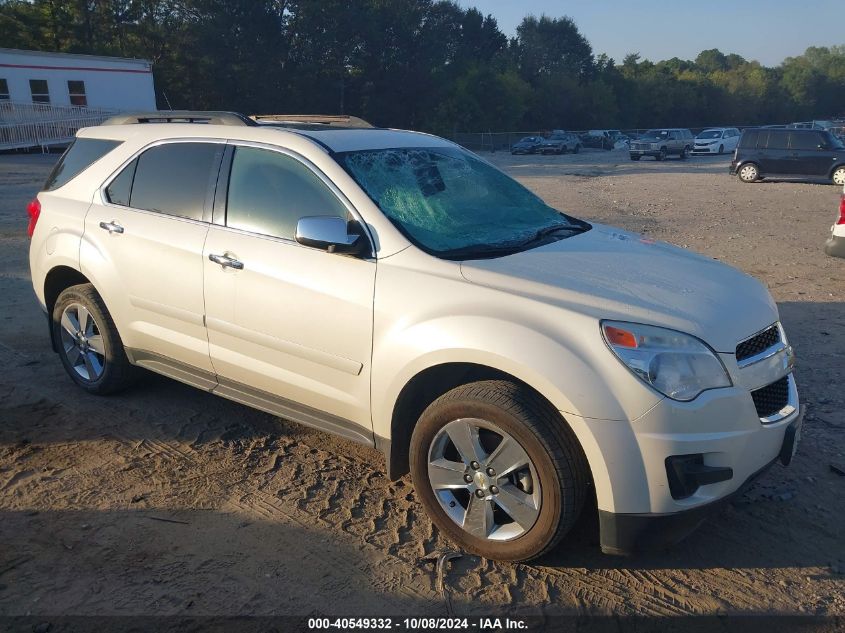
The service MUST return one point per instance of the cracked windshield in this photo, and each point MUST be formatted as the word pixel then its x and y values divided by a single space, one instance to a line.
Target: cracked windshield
pixel 450 202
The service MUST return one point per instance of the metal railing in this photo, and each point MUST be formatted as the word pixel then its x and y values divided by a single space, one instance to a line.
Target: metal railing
pixel 41 125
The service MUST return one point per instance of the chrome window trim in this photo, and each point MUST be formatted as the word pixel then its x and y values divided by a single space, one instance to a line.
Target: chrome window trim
pixel 320 176
pixel 104 201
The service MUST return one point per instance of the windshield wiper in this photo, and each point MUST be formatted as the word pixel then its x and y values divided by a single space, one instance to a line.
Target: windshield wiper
pixel 480 251
pixel 551 230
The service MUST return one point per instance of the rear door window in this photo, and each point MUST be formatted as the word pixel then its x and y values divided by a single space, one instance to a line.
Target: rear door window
pixel 175 179
pixel 81 154
pixel 120 189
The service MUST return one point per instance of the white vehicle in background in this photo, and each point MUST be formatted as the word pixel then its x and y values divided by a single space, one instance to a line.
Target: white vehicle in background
pixel 716 140
pixel 835 245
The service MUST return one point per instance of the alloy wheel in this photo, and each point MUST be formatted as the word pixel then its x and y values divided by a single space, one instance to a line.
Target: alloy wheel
pixel 484 479
pixel 82 342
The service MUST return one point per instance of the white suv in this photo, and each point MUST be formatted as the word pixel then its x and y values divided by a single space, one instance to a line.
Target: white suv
pixel 398 290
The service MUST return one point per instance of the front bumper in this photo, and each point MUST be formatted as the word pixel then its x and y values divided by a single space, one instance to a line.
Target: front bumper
pixel 624 534
pixel 644 152
pixel 705 149
pixel 835 246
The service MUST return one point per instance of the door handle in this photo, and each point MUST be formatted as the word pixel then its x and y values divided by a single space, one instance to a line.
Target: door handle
pixel 111 227
pixel 226 262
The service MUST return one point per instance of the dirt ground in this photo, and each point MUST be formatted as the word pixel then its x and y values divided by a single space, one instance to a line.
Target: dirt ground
pixel 167 500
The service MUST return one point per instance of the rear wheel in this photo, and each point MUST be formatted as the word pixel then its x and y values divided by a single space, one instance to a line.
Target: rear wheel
pixel 839 176
pixel 498 470
pixel 749 173
pixel 88 343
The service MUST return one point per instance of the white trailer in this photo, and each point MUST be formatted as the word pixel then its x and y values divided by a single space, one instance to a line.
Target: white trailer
pixel 67 79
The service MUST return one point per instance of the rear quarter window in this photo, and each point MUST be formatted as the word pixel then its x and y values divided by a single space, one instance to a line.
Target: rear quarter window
pixel 81 154
pixel 748 140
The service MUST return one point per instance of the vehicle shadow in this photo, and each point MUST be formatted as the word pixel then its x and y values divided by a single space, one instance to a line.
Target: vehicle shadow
pixel 158 561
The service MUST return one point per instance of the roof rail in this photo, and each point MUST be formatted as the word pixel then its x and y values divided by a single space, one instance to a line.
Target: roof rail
pixel 180 116
pixel 328 120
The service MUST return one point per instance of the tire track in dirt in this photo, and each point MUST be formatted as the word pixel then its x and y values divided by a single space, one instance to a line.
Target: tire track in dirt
pixel 335 493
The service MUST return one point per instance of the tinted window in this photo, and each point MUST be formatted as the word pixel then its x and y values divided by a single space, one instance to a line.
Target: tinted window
pixel 269 192
pixel 76 93
pixel 175 178
pixel 79 156
pixel 118 192
pixel 749 139
pixel 39 90
pixel 805 140
pixel 778 139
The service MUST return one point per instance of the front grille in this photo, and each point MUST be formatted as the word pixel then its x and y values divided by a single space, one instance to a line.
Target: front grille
pixel 639 145
pixel 758 343
pixel 772 398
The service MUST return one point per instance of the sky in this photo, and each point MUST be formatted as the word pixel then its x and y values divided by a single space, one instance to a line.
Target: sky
pixel 768 31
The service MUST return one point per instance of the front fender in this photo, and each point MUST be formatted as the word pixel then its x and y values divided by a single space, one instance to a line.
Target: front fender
pixel 567 376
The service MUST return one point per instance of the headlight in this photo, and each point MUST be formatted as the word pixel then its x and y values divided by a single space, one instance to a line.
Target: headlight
pixel 677 365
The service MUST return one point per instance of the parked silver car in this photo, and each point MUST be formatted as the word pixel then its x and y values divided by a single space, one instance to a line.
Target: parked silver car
pixel 662 142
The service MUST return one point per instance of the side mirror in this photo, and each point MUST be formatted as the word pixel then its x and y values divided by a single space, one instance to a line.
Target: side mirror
pixel 330 233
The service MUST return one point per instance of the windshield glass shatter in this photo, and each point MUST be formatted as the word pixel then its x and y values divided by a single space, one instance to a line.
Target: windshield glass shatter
pixel 447 199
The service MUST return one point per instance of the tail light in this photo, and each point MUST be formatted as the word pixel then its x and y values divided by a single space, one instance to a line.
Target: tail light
pixel 33 209
pixel 841 219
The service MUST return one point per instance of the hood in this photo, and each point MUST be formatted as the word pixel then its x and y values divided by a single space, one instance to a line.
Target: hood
pixel 608 273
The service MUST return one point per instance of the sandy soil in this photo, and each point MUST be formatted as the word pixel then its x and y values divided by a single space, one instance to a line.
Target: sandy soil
pixel 168 500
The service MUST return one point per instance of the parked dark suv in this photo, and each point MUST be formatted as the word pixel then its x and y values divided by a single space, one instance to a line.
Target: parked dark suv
pixel 789 153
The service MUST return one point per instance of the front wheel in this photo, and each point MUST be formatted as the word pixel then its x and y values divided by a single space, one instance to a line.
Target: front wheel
pixel 662 154
pixel 577 149
pixel 498 470
pixel 721 149
pixel 749 173
pixel 88 343
pixel 684 153
pixel 839 176
pixel 635 157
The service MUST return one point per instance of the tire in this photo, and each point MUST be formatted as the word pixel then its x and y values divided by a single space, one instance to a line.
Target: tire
pixel 661 155
pixel 88 343
pixel 552 486
pixel 838 176
pixel 577 149
pixel 635 157
pixel 721 149
pixel 749 172
pixel 683 155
